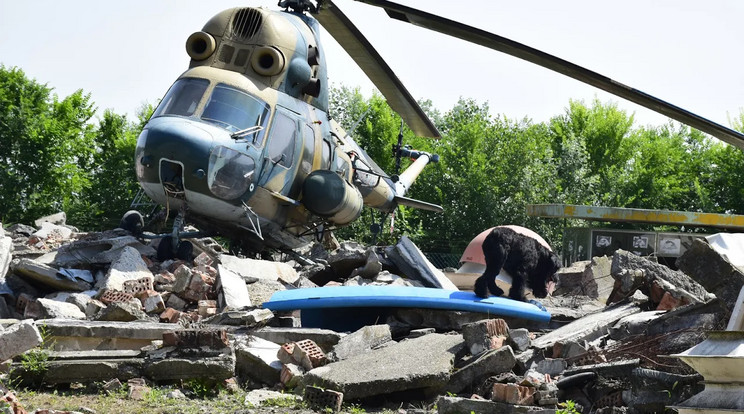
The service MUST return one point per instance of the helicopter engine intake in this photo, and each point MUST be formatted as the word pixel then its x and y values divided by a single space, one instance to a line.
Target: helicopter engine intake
pixel 328 195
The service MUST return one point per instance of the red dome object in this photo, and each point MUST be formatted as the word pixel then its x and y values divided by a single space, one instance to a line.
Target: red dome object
pixel 474 252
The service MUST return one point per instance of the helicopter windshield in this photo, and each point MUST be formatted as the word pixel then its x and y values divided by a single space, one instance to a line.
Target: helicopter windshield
pixel 182 98
pixel 236 111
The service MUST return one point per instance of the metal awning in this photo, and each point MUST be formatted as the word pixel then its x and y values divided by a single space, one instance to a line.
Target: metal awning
pixel 637 215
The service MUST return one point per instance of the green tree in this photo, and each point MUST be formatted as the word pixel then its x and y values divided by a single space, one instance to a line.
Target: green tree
pixel 45 147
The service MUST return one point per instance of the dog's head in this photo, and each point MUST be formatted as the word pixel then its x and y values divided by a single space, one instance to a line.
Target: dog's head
pixel 547 265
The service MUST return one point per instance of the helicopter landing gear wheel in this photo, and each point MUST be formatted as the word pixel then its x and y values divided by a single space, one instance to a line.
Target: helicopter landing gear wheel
pixel 133 222
pixel 165 249
pixel 184 250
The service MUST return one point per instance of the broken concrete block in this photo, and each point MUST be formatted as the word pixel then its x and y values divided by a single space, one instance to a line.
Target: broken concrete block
pixel 551 366
pixel 362 340
pixel 122 312
pixel 80 299
pixel 632 272
pixel 325 338
pixel 173 368
pixel 252 270
pixel 45 275
pixel 52 309
pixel 6 247
pixel 56 218
pixel 323 400
pixel 18 338
pixel 256 398
pixel 93 308
pixel 587 328
pixel 424 362
pixel 176 303
pixel 478 335
pixel 182 276
pixel 52 231
pixel 493 362
pixel 349 256
pixel 256 358
pixel 357 281
pixel 519 339
pixel 455 405
pixel 372 266
pixel 409 259
pixel 716 274
pixel 232 292
pixel 97 248
pixel 127 266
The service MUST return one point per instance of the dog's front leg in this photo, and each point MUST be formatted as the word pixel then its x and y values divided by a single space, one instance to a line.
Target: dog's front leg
pixel 516 291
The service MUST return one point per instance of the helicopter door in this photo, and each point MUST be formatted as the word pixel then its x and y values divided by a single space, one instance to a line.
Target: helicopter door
pixel 279 167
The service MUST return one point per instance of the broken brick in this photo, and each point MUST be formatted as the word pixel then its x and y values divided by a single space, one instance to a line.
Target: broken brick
pixel 115 296
pixel 313 352
pixel 513 394
pixel 203 259
pixel 135 286
pixel 321 399
pixel 171 315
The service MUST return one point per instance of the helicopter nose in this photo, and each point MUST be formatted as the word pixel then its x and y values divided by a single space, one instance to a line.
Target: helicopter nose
pixel 174 150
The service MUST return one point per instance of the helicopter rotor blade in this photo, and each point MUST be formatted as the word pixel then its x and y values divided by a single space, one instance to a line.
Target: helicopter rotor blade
pixel 516 49
pixel 374 66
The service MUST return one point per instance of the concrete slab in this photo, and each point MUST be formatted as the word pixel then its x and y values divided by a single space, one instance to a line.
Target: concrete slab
pixel 412 262
pixel 231 290
pixel 325 338
pixel 256 358
pixel 454 405
pixel 492 362
pixel 421 363
pixel 363 340
pixel 587 328
pixel 74 335
pixel 252 270
pixel 46 276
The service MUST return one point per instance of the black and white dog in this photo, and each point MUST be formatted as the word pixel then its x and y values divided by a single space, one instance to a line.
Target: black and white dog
pixel 528 262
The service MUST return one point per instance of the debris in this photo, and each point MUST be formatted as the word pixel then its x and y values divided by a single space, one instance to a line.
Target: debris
pixel 713 271
pixel 320 399
pixel 360 341
pixel 424 362
pixel 46 276
pixel 414 264
pixel 256 358
pixel 18 338
pixel 232 292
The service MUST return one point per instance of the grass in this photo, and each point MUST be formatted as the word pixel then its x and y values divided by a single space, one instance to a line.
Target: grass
pixel 155 401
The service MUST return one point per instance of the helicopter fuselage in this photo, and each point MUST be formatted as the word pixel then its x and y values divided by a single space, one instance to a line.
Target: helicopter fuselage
pixel 242 141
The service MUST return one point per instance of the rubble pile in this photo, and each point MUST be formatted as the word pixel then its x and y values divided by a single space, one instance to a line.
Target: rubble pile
pixel 104 308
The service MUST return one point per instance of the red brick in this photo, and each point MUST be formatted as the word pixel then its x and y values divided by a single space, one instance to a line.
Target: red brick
pixel 668 302
pixel 115 296
pixel 313 351
pixel 170 315
pixel 285 353
pixel 133 287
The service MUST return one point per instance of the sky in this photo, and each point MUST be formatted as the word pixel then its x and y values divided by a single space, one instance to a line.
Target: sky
pixel 126 53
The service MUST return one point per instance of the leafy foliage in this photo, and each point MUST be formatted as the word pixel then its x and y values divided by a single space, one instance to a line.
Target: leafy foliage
pixel 57 157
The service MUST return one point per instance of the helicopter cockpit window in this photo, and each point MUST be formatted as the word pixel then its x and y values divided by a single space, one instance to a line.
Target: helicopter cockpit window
pixel 238 112
pixel 281 147
pixel 230 173
pixel 182 98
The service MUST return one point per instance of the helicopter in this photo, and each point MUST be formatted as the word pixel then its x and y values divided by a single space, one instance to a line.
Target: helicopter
pixel 243 143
